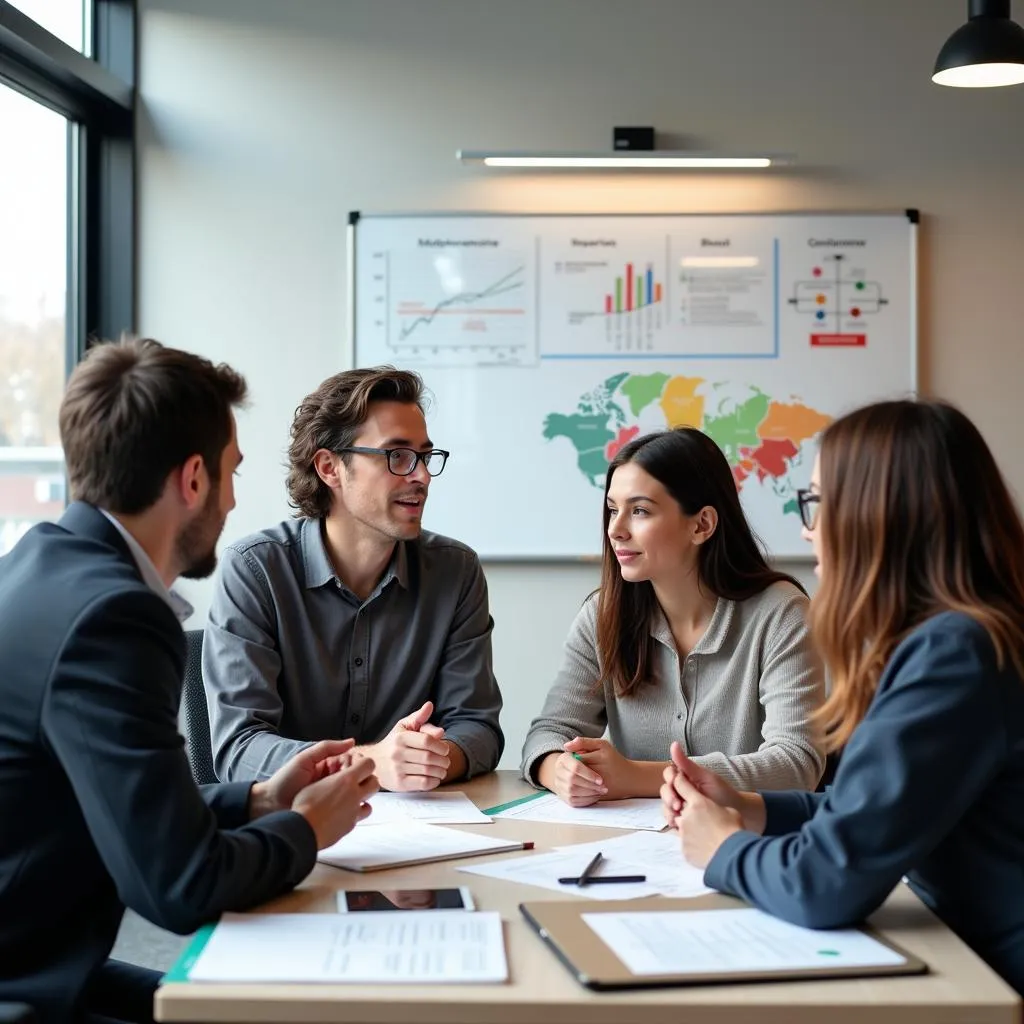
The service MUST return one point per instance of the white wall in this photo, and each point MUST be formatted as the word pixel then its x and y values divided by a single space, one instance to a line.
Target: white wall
pixel 263 123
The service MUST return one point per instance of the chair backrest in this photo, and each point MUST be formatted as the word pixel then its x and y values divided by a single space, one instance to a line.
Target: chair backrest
pixel 831 764
pixel 17 1013
pixel 197 717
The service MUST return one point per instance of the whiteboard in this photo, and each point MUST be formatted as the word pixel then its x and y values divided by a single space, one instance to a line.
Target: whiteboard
pixel 548 341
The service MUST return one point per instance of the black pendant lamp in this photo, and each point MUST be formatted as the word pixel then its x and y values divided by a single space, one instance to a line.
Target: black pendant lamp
pixel 987 51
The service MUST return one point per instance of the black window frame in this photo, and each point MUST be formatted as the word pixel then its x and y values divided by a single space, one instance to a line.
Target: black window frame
pixel 97 95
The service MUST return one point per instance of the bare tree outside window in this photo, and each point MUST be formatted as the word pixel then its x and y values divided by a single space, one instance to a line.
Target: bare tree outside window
pixel 33 299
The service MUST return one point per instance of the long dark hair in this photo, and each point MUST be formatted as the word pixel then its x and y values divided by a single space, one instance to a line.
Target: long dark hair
pixel 915 519
pixel 731 564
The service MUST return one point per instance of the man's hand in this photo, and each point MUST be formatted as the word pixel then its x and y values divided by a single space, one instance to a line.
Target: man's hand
pixel 414 756
pixel 334 805
pixel 685 775
pixel 308 766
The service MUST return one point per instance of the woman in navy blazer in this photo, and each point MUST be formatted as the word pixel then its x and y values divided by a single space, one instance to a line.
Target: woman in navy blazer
pixel 920 619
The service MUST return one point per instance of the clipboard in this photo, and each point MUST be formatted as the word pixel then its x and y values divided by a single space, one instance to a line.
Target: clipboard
pixel 587 957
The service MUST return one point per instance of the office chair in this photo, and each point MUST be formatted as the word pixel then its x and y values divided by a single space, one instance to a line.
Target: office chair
pixel 197 718
pixel 17 1013
pixel 831 764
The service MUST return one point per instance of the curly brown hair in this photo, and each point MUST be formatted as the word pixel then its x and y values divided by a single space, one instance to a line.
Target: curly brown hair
pixel 330 418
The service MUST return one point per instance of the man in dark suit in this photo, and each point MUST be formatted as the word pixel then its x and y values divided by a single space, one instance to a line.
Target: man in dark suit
pixel 97 804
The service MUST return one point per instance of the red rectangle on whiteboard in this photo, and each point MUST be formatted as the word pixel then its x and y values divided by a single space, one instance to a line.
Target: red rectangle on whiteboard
pixel 839 340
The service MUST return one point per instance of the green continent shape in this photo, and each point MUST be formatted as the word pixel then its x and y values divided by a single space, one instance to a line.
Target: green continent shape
pixel 599 401
pixel 738 428
pixel 614 381
pixel 642 389
pixel 791 506
pixel 589 434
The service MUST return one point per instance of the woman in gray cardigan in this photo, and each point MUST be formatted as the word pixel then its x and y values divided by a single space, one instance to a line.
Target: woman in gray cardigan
pixel 691 637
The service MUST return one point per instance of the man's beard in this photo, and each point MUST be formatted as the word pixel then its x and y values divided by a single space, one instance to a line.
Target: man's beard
pixel 196 545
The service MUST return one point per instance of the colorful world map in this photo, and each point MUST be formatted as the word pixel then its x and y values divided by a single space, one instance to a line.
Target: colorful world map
pixel 760 435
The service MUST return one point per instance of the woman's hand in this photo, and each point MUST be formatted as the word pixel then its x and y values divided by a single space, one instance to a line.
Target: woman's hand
pixel 570 780
pixel 588 771
pixel 705 782
pixel 616 772
pixel 703 825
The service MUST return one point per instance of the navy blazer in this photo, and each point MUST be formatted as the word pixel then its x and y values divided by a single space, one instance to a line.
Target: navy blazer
pixel 97 803
pixel 930 785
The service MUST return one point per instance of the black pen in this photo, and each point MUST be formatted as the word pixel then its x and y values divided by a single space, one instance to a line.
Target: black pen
pixel 604 879
pixel 589 870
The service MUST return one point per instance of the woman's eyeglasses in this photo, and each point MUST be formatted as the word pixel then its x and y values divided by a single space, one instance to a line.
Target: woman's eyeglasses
pixel 809 502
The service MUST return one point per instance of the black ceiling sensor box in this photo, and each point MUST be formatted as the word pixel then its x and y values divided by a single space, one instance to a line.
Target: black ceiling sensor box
pixel 633 138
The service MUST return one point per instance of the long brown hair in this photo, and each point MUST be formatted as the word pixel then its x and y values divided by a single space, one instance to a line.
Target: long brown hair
pixel 731 564
pixel 915 519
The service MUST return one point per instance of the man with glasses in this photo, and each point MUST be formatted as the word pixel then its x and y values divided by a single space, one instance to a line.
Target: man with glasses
pixel 350 620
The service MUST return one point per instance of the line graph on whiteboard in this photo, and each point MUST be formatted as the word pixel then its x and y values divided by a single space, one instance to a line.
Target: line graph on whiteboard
pixel 449 308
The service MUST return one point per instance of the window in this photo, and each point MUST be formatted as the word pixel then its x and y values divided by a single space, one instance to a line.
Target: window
pixel 66 19
pixel 33 300
pixel 67 258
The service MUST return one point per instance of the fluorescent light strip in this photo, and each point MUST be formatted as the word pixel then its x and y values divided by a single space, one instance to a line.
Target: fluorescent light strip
pixel 719 261
pixel 621 162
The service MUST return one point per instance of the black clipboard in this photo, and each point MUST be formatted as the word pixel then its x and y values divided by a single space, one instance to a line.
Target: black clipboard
pixel 595 966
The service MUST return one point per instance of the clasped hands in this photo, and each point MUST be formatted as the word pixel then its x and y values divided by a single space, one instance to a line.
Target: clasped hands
pixel 415 756
pixel 702 807
pixel 705 809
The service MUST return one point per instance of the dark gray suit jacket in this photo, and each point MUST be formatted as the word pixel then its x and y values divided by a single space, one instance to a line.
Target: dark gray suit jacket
pixel 97 804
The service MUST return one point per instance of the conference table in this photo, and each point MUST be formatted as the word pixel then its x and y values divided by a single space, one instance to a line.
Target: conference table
pixel 958 988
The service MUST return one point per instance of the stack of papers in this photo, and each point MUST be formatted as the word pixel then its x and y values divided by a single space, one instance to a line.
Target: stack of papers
pixel 438 808
pixel 638 813
pixel 408 842
pixel 368 948
pixel 656 855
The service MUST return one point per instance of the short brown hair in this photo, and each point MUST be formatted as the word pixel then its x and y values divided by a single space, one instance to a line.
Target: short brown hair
pixel 330 418
pixel 915 520
pixel 135 410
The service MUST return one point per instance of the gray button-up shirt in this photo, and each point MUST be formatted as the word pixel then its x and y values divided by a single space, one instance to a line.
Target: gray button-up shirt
pixel 742 702
pixel 291 655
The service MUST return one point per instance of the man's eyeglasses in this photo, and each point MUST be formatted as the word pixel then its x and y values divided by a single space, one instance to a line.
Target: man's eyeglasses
pixel 809 502
pixel 402 461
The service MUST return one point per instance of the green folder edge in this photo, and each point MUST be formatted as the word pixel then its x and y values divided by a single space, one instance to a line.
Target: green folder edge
pixel 190 954
pixel 514 803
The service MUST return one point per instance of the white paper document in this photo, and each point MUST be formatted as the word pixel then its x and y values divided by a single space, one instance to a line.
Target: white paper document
pixel 407 842
pixel 437 808
pixel 370 948
pixel 641 812
pixel 654 854
pixel 729 941
pixel 544 870
pixel 658 855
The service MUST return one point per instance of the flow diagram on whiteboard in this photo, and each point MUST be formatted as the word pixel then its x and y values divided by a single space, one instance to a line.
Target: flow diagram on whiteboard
pixel 841 299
